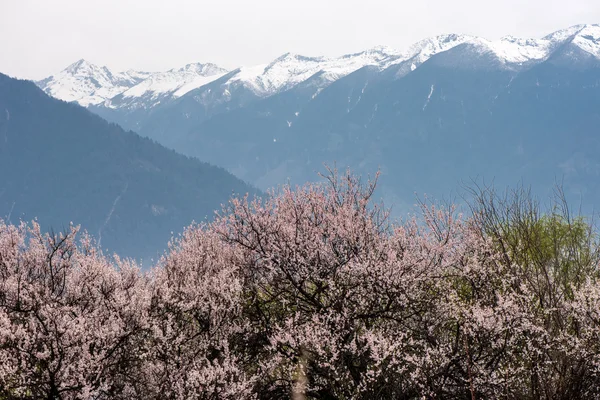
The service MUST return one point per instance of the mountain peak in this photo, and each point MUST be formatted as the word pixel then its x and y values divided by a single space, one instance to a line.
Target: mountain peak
pixel 79 63
pixel 585 28
pixel 81 66
pixel 294 58
pixel 379 52
pixel 87 83
pixel 166 85
pixel 436 44
pixel 586 37
pixel 571 32
pixel 202 69
pixel 381 49
pixel 423 50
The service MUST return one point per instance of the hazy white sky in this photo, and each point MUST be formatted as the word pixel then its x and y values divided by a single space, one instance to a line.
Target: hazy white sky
pixel 41 37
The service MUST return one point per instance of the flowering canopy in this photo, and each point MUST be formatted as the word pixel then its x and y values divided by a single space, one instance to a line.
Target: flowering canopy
pixel 311 293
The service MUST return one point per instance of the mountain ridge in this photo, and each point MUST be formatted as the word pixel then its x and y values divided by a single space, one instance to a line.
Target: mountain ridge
pixel 430 116
pixel 65 164
pixel 290 69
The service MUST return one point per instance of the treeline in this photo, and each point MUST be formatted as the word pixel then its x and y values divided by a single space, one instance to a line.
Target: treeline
pixel 312 293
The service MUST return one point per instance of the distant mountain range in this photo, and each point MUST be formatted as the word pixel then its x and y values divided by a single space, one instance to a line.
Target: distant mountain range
pixel 60 163
pixel 447 109
pixel 88 84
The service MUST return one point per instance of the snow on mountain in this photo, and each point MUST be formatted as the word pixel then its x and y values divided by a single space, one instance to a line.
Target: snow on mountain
pixel 564 34
pixel 423 50
pixel 291 69
pixel 137 76
pixel 514 52
pixel 511 52
pixel 588 39
pixel 89 84
pixel 173 83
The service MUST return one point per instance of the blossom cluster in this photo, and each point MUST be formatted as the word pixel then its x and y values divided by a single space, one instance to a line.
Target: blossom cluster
pixel 311 293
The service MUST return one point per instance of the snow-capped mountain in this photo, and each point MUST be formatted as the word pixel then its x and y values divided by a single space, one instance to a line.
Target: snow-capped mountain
pixel 439 111
pixel 586 37
pixel 514 52
pixel 166 85
pixel 423 50
pixel 88 84
pixel 290 69
pixel 446 110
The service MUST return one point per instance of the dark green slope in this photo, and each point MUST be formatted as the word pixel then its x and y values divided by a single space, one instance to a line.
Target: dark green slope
pixel 61 163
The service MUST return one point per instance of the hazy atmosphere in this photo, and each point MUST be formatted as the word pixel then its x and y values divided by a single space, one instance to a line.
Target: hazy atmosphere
pixel 42 37
pixel 309 200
